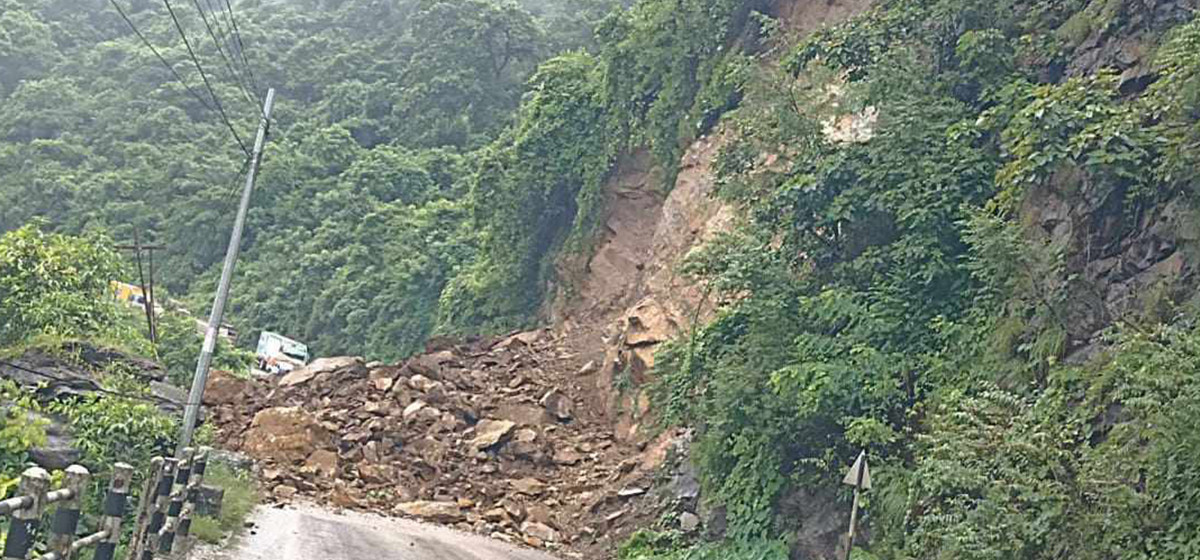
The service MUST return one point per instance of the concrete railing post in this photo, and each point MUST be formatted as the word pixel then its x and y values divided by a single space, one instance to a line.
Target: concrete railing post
pixel 192 492
pixel 35 484
pixel 115 504
pixel 66 517
pixel 178 493
pixel 162 501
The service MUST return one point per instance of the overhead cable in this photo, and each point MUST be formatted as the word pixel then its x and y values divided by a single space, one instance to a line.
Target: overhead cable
pixel 237 34
pixel 204 76
pixel 219 42
pixel 159 55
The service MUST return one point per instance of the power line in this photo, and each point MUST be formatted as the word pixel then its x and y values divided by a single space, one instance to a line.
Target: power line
pixel 218 42
pixel 130 396
pixel 237 34
pixel 159 55
pixel 204 77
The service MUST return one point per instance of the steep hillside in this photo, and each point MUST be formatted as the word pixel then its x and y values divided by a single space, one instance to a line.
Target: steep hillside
pixel 943 233
pixel 762 236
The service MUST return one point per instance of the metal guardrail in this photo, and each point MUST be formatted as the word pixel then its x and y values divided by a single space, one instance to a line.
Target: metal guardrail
pixel 167 501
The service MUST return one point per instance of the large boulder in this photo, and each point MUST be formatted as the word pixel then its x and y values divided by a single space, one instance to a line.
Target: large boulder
pixel 50 375
pixel 224 388
pixel 490 432
pixel 170 398
pixel 75 368
pixel 59 450
pixel 319 366
pixel 285 435
pixel 437 512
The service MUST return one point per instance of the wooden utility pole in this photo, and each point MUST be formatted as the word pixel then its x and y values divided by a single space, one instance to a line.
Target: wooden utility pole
pixel 147 302
pixel 192 410
pixel 147 290
pixel 860 478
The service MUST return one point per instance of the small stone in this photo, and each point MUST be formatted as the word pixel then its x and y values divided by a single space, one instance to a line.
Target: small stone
pixel 421 383
pixel 382 380
pixel 284 492
pixel 558 405
pixel 539 531
pixel 529 486
pixel 322 463
pixel 525 435
pixel 490 432
pixel 588 368
pixel 533 541
pixel 631 492
pixel 567 457
pixel 412 409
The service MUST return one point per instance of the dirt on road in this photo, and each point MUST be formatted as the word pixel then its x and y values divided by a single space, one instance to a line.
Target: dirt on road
pixel 305 532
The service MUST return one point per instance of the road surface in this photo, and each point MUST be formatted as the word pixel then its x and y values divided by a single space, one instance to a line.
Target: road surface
pixel 306 532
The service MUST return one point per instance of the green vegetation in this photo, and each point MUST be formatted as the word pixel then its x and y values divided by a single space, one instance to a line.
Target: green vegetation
pixel 362 215
pixel 18 433
pixel 50 284
pixel 241 495
pixel 901 294
pixel 429 160
pixel 961 295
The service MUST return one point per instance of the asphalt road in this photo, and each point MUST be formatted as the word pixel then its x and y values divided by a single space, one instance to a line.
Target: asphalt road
pixel 308 533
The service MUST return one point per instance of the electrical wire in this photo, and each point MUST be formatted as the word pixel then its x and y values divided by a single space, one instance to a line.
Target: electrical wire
pixel 204 77
pixel 159 55
pixel 237 34
pixel 237 77
pixel 130 396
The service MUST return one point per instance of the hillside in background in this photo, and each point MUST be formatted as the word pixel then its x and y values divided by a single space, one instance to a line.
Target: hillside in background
pixel 958 234
pixel 361 214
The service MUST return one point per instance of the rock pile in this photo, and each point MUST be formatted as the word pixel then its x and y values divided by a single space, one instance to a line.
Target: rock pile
pixel 488 436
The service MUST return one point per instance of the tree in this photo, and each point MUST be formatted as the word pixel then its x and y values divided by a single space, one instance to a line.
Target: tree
pixel 54 284
pixel 463 77
pixel 26 47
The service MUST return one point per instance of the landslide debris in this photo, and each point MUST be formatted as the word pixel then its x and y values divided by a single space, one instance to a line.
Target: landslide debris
pixel 492 436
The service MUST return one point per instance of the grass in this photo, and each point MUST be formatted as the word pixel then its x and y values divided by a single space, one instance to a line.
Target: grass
pixel 241 495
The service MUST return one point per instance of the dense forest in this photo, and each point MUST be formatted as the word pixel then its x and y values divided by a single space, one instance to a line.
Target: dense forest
pixel 993 292
pixel 362 213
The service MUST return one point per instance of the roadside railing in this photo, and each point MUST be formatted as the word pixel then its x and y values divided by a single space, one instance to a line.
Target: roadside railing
pixel 163 514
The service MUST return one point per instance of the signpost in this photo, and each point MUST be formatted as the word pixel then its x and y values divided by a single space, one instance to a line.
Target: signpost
pixel 860 478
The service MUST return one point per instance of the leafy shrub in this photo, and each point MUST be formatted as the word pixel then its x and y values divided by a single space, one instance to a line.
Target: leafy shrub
pixel 109 429
pixel 55 284
pixel 18 433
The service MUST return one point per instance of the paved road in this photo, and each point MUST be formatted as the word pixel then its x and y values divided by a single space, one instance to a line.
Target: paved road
pixel 309 533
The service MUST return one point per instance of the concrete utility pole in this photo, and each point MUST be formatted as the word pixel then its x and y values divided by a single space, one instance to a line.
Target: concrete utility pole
pixel 192 410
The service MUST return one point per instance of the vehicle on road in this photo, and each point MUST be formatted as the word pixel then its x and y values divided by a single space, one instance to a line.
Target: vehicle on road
pixel 280 355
